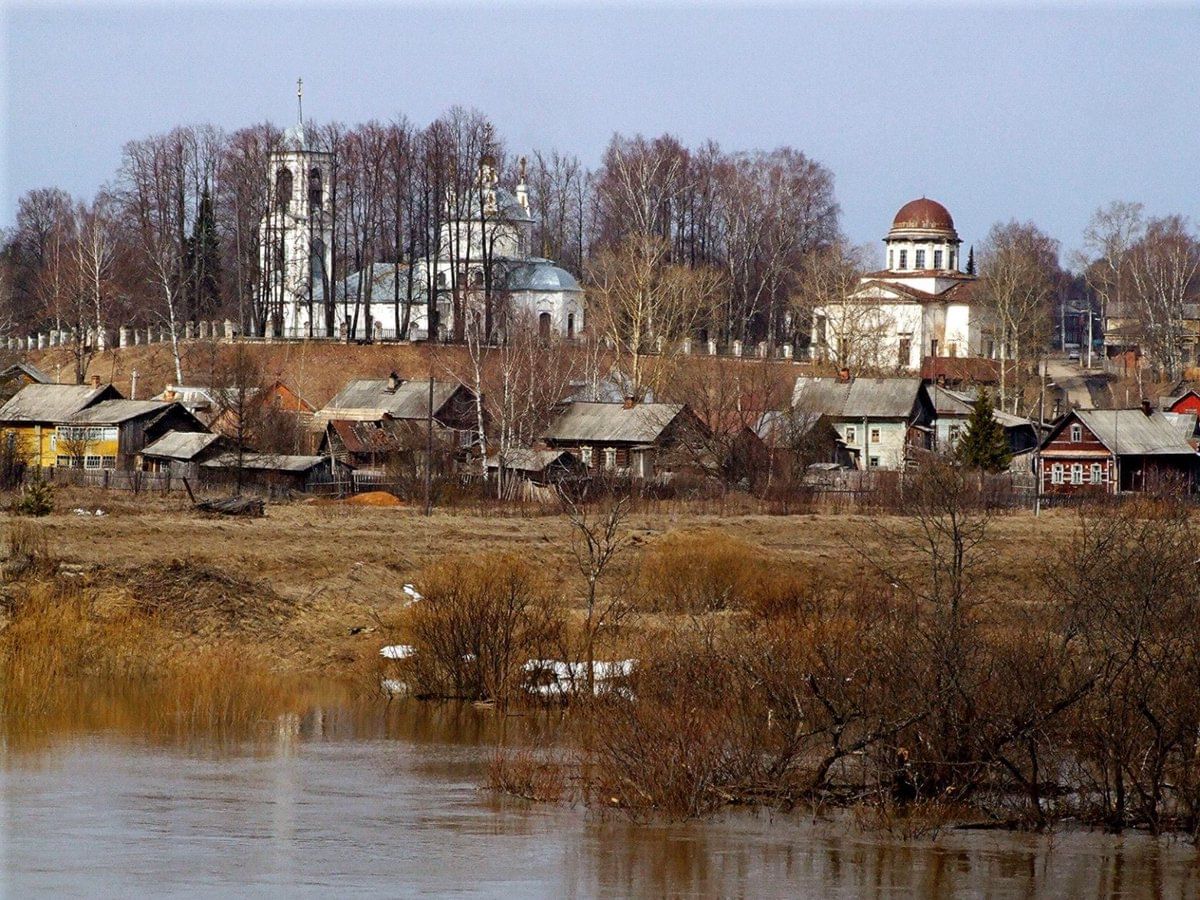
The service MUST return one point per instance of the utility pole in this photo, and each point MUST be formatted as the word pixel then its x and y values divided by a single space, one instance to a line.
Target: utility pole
pixel 429 450
pixel 1037 450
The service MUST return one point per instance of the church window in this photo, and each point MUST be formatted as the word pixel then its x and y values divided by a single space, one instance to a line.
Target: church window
pixel 441 279
pixel 951 266
pixel 315 193
pixel 283 189
pixel 280 256
pixel 891 259
pixel 905 352
pixel 920 263
pixel 570 325
pixel 937 259
pixel 478 277
pixel 933 344
pixel 903 259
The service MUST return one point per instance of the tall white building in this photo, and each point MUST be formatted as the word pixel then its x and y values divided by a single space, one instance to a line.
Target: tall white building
pixel 920 305
pixel 491 233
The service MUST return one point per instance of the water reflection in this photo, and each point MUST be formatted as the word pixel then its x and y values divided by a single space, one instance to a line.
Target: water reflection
pixel 349 798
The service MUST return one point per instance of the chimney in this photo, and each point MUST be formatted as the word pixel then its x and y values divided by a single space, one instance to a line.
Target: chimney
pixel 95 381
pixel 1147 410
pixel 843 376
pixel 630 402
pixel 393 383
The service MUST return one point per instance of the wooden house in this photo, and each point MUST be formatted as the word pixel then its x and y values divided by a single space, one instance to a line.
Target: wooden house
pixel 952 411
pixel 1115 450
pixel 17 376
pixel 268 473
pixel 373 400
pixel 637 440
pixel 543 467
pixel 387 449
pixel 111 434
pixel 881 420
pixel 31 416
pixel 181 452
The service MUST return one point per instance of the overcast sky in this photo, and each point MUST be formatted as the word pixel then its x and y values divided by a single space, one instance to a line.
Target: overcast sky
pixel 1000 111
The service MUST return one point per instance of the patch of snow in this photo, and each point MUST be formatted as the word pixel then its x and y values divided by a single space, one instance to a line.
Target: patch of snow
pixel 397 651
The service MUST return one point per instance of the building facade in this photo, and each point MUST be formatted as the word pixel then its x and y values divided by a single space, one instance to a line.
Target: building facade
pixel 919 306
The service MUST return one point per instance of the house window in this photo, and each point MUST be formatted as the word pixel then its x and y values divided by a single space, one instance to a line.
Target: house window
pixel 904 259
pixel 873 462
pixel 920 259
pixel 851 434
pixel 953 434
pixel 1076 473
pixel 610 458
pixel 1056 473
pixel 91 462
pixel 937 259
pixel 905 355
pixel 1097 473
pixel 875 438
pixel 585 456
pixel 1076 434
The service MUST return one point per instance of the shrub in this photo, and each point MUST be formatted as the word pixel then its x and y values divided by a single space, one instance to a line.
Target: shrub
pixel 480 619
pixel 699 572
pixel 522 774
pixel 37 499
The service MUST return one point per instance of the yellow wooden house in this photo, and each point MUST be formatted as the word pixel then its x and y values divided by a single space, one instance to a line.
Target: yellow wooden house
pixel 30 420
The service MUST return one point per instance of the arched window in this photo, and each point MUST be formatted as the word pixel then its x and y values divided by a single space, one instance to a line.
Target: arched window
pixel 570 325
pixel 316 195
pixel 544 326
pixel 280 256
pixel 283 189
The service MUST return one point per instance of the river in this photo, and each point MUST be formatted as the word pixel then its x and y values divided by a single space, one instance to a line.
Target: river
pixel 355 800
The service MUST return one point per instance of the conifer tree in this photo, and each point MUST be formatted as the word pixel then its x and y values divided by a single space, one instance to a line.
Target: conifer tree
pixel 971 260
pixel 984 446
pixel 201 262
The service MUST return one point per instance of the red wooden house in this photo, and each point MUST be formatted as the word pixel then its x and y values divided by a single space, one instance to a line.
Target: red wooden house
pixel 1112 450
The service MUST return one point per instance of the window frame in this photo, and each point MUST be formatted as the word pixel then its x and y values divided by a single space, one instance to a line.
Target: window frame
pixel 1057 473
pixel 851 434
pixel 1076 473
pixel 1096 474
pixel 919 258
pixel 1076 434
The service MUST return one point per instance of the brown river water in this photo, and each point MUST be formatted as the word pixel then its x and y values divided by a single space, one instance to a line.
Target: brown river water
pixel 357 800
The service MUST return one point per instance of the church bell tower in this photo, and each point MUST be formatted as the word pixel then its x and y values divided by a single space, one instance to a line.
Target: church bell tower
pixel 296 239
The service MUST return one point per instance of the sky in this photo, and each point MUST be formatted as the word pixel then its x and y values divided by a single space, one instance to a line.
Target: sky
pixel 1001 111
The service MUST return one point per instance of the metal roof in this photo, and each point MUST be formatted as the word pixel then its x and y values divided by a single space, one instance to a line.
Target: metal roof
pixel 370 398
pixel 1132 432
pixel 950 403
pixel 873 398
pixel 585 422
pixel 114 412
pixel 181 444
pixel 51 402
pixel 269 462
pixel 541 275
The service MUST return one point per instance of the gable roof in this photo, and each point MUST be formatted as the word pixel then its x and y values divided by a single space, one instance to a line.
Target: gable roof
pixel 114 412
pixel 36 375
pixel 1130 432
pixel 950 403
pixel 874 398
pixel 53 402
pixel 183 445
pixel 586 422
pixel 370 398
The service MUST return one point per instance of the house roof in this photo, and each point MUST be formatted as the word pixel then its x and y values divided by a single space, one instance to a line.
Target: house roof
pixel 266 462
pixel 950 403
pixel 185 445
pixel 35 374
pixel 585 422
pixel 1130 432
pixel 370 398
pixel 114 412
pixel 874 398
pixel 526 460
pixel 378 436
pixel 52 402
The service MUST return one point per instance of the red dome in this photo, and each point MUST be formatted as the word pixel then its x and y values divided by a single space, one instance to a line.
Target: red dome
pixel 925 214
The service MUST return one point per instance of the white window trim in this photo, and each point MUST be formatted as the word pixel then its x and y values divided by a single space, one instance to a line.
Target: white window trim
pixel 1056 473
pixel 1076 473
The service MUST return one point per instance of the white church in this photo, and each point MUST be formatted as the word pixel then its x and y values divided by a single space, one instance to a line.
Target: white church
pixel 919 306
pixel 297 258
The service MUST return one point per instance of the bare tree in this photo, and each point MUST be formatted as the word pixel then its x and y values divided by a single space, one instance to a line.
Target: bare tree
pixel 1164 287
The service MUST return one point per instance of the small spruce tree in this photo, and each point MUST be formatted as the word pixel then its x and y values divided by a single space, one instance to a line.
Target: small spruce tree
pixel 984 446
pixel 971 260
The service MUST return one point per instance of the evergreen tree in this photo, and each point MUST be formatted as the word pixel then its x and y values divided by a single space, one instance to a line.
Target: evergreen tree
pixel 201 263
pixel 984 446
pixel 971 260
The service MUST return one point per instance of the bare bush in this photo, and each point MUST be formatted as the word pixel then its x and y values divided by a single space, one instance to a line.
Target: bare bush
pixel 480 619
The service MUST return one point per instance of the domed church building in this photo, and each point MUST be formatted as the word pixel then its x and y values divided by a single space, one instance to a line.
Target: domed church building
pixel 920 305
